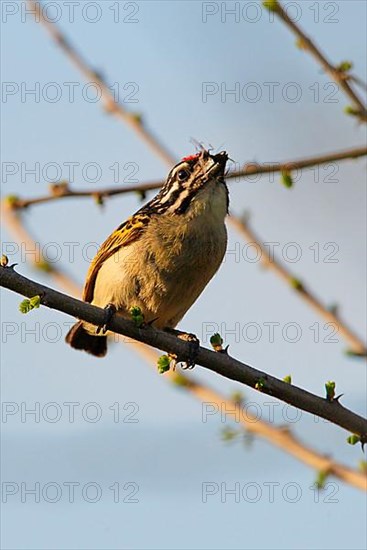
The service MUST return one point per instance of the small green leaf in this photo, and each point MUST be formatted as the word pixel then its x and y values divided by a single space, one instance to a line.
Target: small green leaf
pixel 98 199
pixel 163 364
pixel 321 479
pixel 296 284
pixel 353 439
pixel 354 353
pixel 181 381
pixel 237 398
pixel 334 309
pixel 344 66
pixel 330 390
pixel 12 200
pixel 137 117
pixel 287 379
pixel 260 384
pixel 28 304
pixel 44 265
pixel 286 179
pixel 301 44
pixel 228 434
pixel 137 316
pixel 352 111
pixel 216 341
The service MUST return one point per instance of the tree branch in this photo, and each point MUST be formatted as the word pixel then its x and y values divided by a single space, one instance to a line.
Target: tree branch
pixel 275 435
pixel 62 191
pixel 305 43
pixel 220 363
pixel 357 345
pixel 110 104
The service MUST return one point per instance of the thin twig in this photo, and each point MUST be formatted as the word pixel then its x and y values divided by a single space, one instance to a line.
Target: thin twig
pixel 221 363
pixel 110 104
pixel 269 261
pixel 305 42
pixel 64 191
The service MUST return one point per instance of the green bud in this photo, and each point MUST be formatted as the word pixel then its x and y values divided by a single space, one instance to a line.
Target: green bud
pixel 179 380
pixel 363 466
pixel 353 439
pixel 163 364
pixel 28 304
pixel 301 44
pixel 237 398
pixel 330 390
pixel 137 117
pixel 228 434
pixel 354 353
pixel 287 379
pixel 137 316
pixel 12 200
pixel 349 110
pixel 321 479
pixel 286 179
pixel 98 199
pixel 44 265
pixel 344 66
pixel 271 5
pixel 216 341
pixel 296 284
pixel 260 384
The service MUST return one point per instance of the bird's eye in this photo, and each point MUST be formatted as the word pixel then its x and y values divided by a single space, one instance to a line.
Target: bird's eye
pixel 182 175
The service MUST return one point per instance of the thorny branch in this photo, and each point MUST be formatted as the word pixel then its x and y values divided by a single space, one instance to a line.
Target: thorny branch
pixel 277 436
pixel 60 191
pixel 304 42
pixel 221 363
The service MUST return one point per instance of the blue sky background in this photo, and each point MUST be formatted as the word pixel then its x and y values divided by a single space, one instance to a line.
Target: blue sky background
pixel 170 452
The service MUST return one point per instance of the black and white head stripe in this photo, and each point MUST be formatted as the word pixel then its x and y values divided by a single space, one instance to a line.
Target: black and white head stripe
pixel 185 180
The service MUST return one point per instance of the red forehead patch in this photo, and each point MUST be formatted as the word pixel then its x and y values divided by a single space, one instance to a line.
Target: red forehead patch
pixel 191 157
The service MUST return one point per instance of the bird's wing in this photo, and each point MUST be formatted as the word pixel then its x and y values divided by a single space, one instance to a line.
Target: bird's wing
pixel 124 235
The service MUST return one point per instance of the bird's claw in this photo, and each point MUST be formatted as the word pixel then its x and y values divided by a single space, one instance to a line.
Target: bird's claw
pixel 110 311
pixel 194 342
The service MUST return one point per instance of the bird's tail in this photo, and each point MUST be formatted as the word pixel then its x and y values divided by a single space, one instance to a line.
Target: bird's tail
pixel 79 338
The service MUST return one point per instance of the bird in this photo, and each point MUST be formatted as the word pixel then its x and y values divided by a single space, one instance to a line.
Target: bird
pixel 162 257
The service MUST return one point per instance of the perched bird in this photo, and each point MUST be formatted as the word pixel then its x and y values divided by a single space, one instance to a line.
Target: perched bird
pixel 162 257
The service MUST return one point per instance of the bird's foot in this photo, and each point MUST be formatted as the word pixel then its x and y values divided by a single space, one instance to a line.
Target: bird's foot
pixel 194 348
pixel 110 311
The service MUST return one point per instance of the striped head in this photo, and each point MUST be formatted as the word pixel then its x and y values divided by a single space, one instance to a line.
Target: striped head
pixel 188 180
